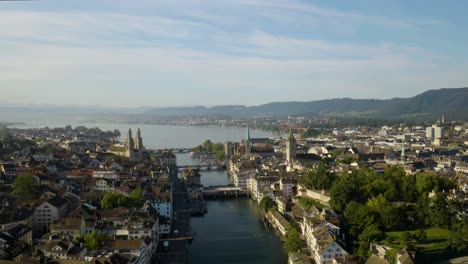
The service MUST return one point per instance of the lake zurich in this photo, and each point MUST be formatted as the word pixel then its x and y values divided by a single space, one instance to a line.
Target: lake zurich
pixel 231 231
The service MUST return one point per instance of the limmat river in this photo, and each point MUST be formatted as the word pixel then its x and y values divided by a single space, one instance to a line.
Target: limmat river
pixel 231 231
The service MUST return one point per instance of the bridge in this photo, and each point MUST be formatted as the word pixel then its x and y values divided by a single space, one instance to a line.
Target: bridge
pixel 173 150
pixel 202 167
pixel 224 191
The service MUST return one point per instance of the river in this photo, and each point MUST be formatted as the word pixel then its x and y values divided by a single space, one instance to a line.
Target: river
pixel 231 231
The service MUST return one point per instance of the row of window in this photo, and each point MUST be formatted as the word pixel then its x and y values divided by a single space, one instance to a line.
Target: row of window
pixel 43 215
pixel 330 256
pixel 138 232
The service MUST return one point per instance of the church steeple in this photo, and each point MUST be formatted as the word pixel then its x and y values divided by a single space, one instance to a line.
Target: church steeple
pixel 290 147
pixel 138 140
pixel 129 144
pixel 291 136
pixel 248 142
pixel 403 155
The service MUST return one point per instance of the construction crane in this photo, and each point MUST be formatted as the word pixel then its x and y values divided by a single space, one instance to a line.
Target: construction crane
pixel 297 128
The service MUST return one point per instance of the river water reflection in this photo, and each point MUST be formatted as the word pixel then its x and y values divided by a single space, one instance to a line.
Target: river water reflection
pixel 232 231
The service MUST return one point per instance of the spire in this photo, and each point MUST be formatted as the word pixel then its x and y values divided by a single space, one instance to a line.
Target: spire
pixel 403 156
pixel 247 143
pixel 291 136
pixel 323 214
pixel 138 134
pixel 129 134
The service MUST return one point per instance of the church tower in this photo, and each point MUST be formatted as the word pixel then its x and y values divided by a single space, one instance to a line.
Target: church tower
pixel 129 145
pixel 139 144
pixel 290 147
pixel 403 155
pixel 248 143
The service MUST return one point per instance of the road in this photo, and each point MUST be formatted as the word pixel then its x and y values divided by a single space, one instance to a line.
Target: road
pixel 181 232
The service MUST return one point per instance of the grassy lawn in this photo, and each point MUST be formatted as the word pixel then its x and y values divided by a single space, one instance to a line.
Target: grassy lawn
pixel 437 239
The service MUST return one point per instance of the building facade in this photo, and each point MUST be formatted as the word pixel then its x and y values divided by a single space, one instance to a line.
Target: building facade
pixel 132 148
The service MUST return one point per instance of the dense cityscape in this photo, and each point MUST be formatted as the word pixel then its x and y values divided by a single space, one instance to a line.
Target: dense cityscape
pixel 233 132
pixel 385 194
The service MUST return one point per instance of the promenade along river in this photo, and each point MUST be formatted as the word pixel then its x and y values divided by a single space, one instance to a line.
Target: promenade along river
pixel 232 231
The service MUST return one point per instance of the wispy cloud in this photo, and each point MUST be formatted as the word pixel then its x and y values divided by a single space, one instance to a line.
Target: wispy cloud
pixel 241 46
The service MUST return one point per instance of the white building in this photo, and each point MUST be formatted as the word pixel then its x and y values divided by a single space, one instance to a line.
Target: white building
pixel 106 174
pixel 286 185
pixel 47 212
pixel 257 184
pixel 104 185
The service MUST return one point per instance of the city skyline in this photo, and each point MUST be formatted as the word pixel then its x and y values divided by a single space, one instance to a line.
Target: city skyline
pixel 122 54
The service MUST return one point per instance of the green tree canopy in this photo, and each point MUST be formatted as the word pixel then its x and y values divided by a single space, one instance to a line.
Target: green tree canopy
pixel 113 200
pixel 319 178
pixel 293 240
pixel 94 240
pixel 26 186
pixel 267 203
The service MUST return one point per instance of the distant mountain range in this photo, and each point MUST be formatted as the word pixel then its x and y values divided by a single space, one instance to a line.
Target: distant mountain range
pixel 451 102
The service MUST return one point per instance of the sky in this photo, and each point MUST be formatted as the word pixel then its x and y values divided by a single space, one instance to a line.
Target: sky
pixel 122 53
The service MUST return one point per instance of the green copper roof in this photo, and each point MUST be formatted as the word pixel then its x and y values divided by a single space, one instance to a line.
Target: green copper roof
pixel 248 134
pixel 323 212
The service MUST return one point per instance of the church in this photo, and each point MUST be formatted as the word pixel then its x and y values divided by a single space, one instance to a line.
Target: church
pixel 132 148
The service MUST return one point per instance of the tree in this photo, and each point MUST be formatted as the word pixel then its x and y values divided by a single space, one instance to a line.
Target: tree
pixel 356 186
pixel 421 236
pixel 207 145
pixel 439 211
pixel 388 215
pixel 219 155
pixel 391 255
pixel 110 200
pixel 459 238
pixel 267 203
pixel 136 197
pixel 370 233
pixel 26 186
pixel 407 237
pixel 319 177
pixel 293 240
pixel 5 135
pixel 94 241
pixel 336 152
pixel 358 216
pixel 113 200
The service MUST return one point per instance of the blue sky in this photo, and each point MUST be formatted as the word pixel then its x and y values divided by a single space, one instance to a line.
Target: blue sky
pixel 210 52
